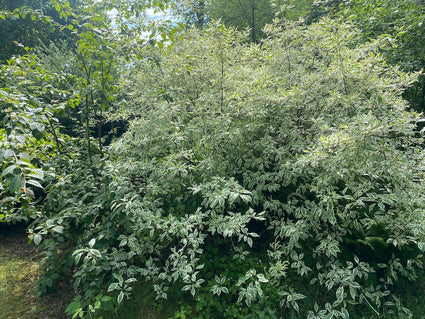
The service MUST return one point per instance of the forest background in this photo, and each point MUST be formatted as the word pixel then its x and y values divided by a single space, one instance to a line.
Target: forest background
pixel 224 159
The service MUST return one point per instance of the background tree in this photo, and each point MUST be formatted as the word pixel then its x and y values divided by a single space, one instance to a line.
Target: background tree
pixel 31 142
pixel 193 12
pixel 29 24
pixel 308 10
pixel 403 21
pixel 252 14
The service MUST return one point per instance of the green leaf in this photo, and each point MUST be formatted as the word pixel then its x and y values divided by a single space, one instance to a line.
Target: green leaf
pixel 353 293
pixel 24 156
pixel 8 154
pixel 21 138
pixel 9 170
pixel 37 239
pixel 16 184
pixel 58 229
pixel 77 313
pixel 36 173
pixel 38 135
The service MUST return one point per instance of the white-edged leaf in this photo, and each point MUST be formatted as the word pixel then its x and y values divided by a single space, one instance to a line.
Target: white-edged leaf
pixel 37 239
pixel 120 297
pixel 340 294
pixel 92 242
pixel 113 286
pixel 34 183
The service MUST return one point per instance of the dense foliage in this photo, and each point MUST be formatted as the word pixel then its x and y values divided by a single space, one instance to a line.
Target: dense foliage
pixel 274 180
pixel 403 20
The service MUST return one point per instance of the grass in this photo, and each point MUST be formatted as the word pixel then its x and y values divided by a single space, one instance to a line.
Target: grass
pixel 19 273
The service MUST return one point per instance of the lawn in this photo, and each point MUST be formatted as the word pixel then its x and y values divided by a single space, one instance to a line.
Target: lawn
pixel 19 272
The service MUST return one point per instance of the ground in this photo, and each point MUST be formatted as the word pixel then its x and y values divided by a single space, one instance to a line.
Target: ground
pixel 19 272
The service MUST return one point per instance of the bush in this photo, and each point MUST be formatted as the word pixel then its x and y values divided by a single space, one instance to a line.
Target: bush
pixel 276 180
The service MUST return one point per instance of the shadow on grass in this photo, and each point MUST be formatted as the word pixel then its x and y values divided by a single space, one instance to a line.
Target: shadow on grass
pixel 19 273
